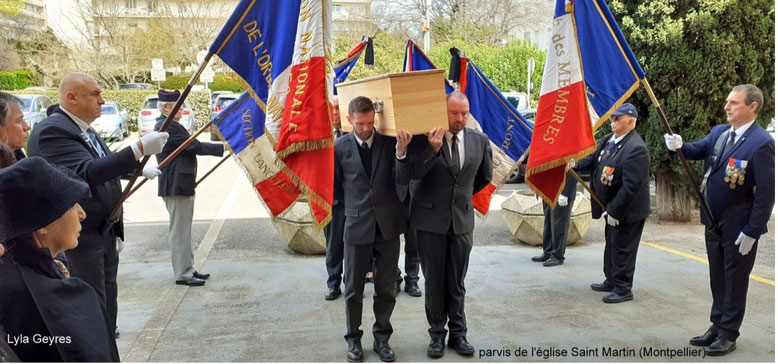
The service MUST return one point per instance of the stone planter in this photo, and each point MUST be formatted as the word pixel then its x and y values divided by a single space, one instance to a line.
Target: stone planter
pixel 295 226
pixel 524 215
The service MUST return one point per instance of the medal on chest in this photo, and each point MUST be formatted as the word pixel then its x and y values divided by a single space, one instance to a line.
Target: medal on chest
pixel 607 176
pixel 735 173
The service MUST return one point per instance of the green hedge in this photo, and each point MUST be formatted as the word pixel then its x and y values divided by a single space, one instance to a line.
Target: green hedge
pixel 221 82
pixel 15 80
pixel 132 101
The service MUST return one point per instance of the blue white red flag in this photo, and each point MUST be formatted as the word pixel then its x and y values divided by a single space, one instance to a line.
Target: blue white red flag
pixel 590 70
pixel 282 50
pixel 344 66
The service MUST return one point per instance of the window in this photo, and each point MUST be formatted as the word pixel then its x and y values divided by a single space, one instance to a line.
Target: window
pixel 152 5
pixel 129 4
pixel 335 8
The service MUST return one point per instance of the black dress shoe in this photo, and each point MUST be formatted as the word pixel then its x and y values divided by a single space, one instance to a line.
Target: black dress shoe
pixel 720 347
pixel 397 288
pixel 191 281
pixel 552 261
pixel 705 339
pixel 355 354
pixel 116 333
pixel 384 351
pixel 602 287
pixel 435 348
pixel 413 289
pixel 199 275
pixel 540 258
pixel 617 298
pixel 461 345
pixel 332 294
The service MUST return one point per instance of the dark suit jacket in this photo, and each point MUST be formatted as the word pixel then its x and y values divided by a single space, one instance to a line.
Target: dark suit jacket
pixel 59 140
pixel 178 177
pixel 747 207
pixel 627 198
pixel 35 303
pixel 439 199
pixel 372 200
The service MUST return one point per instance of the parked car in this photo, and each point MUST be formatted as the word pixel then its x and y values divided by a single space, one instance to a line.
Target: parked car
pixel 113 123
pixel 517 99
pixel 148 114
pixel 34 108
pixel 136 86
pixel 221 103
pixel 215 95
pixel 40 88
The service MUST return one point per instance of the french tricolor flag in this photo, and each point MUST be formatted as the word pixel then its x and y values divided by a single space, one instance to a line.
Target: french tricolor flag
pixel 590 70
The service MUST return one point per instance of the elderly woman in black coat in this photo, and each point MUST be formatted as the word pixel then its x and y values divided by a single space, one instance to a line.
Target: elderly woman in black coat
pixel 47 316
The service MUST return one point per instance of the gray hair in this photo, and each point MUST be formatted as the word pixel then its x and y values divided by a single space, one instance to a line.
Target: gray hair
pixel 5 100
pixel 161 106
pixel 753 95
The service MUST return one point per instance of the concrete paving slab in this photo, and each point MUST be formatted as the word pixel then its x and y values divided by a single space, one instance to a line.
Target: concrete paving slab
pixel 270 308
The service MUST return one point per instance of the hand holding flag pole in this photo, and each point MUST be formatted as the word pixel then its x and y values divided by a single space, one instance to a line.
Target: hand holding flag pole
pixel 679 152
pixel 175 153
pixel 112 218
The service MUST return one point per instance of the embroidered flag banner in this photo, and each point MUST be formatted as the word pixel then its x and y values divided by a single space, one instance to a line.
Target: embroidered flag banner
pixel 282 50
pixel 242 126
pixel 590 70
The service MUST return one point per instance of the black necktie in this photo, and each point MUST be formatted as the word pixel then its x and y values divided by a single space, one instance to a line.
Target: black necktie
pixel 455 155
pixel 730 142
pixel 338 133
pixel 367 157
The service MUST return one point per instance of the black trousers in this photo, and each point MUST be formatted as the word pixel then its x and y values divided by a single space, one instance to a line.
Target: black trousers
pixel 98 265
pixel 621 252
pixel 333 233
pixel 356 264
pixel 444 261
pixel 411 258
pixel 729 271
pixel 557 223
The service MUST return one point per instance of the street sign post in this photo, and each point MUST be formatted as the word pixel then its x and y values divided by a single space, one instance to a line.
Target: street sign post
pixel 157 71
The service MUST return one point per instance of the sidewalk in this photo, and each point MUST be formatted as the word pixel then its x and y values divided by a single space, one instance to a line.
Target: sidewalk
pixel 265 303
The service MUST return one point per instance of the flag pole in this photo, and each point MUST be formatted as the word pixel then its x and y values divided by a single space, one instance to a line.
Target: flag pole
pixel 585 186
pixel 213 169
pixel 112 218
pixel 700 197
pixel 174 154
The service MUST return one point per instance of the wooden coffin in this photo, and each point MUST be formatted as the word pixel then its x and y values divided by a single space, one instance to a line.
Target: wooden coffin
pixel 412 101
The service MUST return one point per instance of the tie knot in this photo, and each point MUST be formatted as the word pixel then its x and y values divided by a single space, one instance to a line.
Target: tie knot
pixel 364 145
pixel 732 134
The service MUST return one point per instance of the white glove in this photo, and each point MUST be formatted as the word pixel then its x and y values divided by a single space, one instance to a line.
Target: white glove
pixel 151 172
pixel 562 201
pixel 611 220
pixel 154 142
pixel 119 245
pixel 673 142
pixel 746 243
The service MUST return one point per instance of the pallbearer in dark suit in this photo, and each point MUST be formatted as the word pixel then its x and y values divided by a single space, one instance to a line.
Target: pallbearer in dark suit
pixel 177 189
pixel 450 167
pixel 333 232
pixel 366 169
pixel 619 170
pixel 66 139
pixel 739 187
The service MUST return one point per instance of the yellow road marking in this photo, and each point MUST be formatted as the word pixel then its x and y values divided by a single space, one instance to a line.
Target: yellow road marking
pixel 702 260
